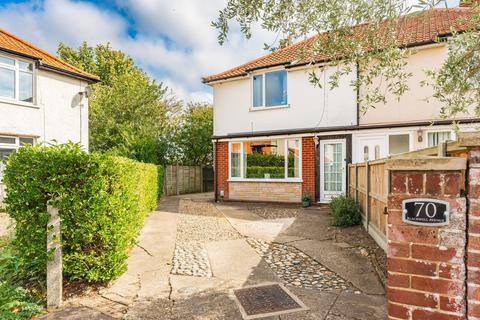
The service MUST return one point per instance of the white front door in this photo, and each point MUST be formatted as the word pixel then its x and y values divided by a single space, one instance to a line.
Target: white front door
pixel 332 169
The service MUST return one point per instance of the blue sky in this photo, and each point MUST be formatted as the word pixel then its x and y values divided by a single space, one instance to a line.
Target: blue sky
pixel 171 39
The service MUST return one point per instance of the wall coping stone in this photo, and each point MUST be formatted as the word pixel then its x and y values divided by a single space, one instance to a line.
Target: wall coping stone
pixel 469 139
pixel 427 164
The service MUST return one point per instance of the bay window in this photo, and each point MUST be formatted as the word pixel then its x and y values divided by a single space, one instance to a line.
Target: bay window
pixel 16 79
pixel 270 89
pixel 267 159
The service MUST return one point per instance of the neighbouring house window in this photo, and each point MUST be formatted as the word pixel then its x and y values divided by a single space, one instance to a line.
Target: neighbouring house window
pixel 16 79
pixel 435 138
pixel 377 152
pixel 9 145
pixel 398 143
pixel 266 159
pixel 270 89
pixel 365 153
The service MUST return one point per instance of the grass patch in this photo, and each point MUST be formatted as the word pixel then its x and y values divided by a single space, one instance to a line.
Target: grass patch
pixel 16 301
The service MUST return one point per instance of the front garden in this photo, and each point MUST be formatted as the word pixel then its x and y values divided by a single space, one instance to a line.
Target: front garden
pixel 103 201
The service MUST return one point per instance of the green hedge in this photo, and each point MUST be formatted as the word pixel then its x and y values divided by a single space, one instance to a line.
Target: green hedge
pixel 103 201
pixel 256 172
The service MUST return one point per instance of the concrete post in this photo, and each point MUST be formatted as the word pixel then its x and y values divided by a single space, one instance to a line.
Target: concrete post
pixel 54 265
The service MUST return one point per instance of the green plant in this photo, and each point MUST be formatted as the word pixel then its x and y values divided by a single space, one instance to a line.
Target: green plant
pixel 306 197
pixel 16 302
pixel 161 179
pixel 345 211
pixel 103 201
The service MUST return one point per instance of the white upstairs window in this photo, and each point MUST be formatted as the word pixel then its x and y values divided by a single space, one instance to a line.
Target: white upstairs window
pixel 16 80
pixel 270 89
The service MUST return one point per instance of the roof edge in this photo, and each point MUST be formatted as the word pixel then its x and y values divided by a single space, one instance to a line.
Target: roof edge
pixel 68 73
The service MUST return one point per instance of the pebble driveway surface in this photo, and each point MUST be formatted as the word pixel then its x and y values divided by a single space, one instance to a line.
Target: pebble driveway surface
pixel 197 252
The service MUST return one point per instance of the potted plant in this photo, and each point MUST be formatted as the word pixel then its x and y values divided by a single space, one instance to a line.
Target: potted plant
pixel 306 200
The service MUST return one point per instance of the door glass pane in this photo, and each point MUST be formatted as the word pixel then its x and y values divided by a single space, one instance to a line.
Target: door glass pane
pixel 399 143
pixel 264 159
pixel 332 167
pixel 7 83
pixel 26 87
pixel 434 138
pixel 276 88
pixel 235 160
pixel 258 90
pixel 293 147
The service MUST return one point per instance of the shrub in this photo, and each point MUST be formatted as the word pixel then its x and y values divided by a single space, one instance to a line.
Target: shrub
pixel 345 211
pixel 161 179
pixel 103 201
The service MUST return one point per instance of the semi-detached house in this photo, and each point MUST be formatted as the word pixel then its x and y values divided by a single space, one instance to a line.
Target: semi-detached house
pixel 277 136
pixel 42 98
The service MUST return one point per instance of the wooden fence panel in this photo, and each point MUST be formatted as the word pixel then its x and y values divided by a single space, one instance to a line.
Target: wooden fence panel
pixel 183 180
pixel 369 186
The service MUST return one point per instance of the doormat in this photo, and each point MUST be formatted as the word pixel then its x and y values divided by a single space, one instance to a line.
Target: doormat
pixel 266 300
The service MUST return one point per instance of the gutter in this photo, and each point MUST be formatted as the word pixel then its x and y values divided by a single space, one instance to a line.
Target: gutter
pixel 344 128
pixel 67 73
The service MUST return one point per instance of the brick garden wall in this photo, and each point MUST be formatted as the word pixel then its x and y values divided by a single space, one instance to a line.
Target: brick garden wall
pixel 426 267
pixel 473 254
pixel 265 191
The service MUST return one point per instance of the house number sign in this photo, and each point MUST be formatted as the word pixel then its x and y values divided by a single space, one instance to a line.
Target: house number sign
pixel 426 212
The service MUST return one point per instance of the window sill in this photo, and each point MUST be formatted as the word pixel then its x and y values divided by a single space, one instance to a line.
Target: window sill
pixel 283 106
pixel 19 103
pixel 293 180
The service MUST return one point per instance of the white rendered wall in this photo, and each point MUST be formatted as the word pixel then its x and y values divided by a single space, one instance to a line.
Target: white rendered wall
pixel 58 115
pixel 309 106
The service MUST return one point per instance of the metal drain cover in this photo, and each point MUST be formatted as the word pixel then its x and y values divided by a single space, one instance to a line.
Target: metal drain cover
pixel 266 300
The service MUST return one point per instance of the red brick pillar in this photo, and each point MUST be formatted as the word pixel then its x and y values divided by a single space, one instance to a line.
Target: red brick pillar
pixel 308 166
pixel 221 170
pixel 473 261
pixel 426 266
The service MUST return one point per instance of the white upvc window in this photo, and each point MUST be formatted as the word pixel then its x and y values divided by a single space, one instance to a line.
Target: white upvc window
pixel 399 143
pixel 16 80
pixel 434 138
pixel 269 89
pixel 8 144
pixel 266 160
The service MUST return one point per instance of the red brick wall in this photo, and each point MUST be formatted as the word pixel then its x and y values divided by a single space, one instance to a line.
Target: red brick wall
pixel 308 165
pixel 221 163
pixel 426 269
pixel 473 254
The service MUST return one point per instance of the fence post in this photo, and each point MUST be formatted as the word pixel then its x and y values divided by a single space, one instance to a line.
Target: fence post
pixel 356 182
pixel 54 265
pixel 367 193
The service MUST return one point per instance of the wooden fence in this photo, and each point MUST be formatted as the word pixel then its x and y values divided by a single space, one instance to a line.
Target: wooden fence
pixel 183 179
pixel 369 184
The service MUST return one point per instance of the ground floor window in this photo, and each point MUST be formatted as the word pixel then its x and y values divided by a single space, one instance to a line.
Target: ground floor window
pixel 9 144
pixel 266 159
pixel 398 143
pixel 435 138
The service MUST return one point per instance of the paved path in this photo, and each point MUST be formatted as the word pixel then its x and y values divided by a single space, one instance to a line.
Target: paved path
pixel 228 246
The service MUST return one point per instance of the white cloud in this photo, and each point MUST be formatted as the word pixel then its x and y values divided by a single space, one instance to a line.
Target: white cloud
pixel 174 41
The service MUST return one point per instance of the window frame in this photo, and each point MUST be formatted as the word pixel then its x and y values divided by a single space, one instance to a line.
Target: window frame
pixel 17 70
pixel 242 164
pixel 264 95
pixel 13 146
pixel 401 133
pixel 453 136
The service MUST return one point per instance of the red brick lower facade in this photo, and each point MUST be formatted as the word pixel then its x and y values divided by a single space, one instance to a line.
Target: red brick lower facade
pixel 290 190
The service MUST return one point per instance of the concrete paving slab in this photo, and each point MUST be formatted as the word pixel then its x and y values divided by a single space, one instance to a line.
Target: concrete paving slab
pixel 232 259
pixel 347 263
pixel 310 224
pixel 359 307
pixel 319 304
pixel 76 313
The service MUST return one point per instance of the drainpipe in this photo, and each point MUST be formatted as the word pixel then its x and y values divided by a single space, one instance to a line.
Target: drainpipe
pixel 216 171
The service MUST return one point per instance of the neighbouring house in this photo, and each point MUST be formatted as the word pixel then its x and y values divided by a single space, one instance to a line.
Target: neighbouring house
pixel 42 98
pixel 277 136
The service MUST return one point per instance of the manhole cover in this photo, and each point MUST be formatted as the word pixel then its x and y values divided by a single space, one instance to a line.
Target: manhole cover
pixel 266 300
